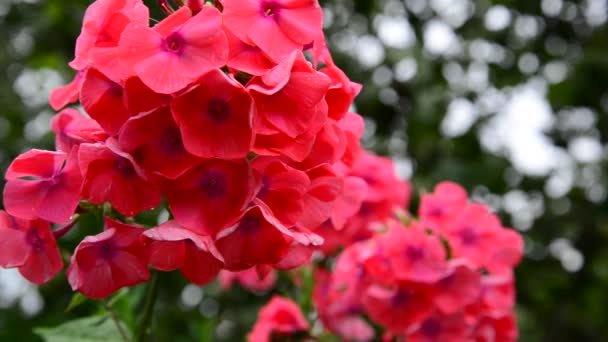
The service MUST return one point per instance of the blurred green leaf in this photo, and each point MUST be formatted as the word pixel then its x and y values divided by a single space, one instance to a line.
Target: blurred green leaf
pixel 77 299
pixel 88 329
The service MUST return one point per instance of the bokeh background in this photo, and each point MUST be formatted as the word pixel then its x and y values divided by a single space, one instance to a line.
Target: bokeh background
pixel 507 98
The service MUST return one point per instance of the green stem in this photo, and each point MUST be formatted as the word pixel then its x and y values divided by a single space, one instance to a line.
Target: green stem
pixel 113 316
pixel 148 309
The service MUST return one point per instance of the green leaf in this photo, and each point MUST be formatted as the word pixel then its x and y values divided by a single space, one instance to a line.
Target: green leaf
pixel 118 296
pixel 88 329
pixel 77 299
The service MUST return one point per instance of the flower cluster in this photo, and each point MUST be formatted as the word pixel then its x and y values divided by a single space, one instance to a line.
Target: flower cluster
pixel 447 277
pixel 372 194
pixel 250 279
pixel 279 320
pixel 233 111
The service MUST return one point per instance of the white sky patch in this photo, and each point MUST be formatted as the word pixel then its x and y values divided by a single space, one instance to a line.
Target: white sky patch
pixel 461 115
pixel 405 69
pixel 551 8
pixel 517 131
pixel 596 12
pixel 555 72
pixel 15 289
pixel 477 76
pixel 485 51
pixel 370 51
pixel 585 149
pixel 35 86
pixel 394 32
pixel 440 39
pixel 497 18
pixel 563 178
pixel 454 12
pixel 527 27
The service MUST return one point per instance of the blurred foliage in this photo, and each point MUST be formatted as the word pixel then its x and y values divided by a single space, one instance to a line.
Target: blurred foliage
pixel 37 40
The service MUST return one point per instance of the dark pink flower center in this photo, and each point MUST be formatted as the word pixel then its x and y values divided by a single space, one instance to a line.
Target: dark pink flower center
pixel 55 180
pixel 114 89
pixel 174 43
pixel 414 253
pixel 468 236
pixel 171 141
pixel 214 183
pixel 367 209
pixel 218 110
pixel 436 212
pixel 34 240
pixel 106 250
pixel 124 167
pixel 270 8
pixel 431 328
pixel 402 297
pixel 249 224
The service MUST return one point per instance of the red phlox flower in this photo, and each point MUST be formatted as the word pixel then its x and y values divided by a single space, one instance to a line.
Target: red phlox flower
pixel 398 308
pixel 103 24
pixel 172 246
pixel 177 51
pixel 349 279
pixel 30 246
pixel 155 142
pixel 325 188
pixel 280 144
pixel 103 100
pixel 382 181
pixel 296 107
pixel 279 317
pixel 497 295
pixel 472 234
pixel 367 221
pixel 211 195
pixel 385 194
pixel 277 27
pixel 255 238
pixel 329 146
pixel 459 287
pixel 411 254
pixel 248 279
pixel 52 193
pixel 111 175
pixel 108 261
pixel 281 188
pixel 320 52
pixel 352 125
pixel 497 329
pixel 441 328
pixel 301 249
pixel 63 96
pixel 509 248
pixel 349 202
pixel 341 93
pixel 332 238
pixel 215 117
pixel 439 207
pixel 277 77
pixel 341 320
pixel 352 328
pixel 138 98
pixel 245 57
pixel 338 231
pixel 71 128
